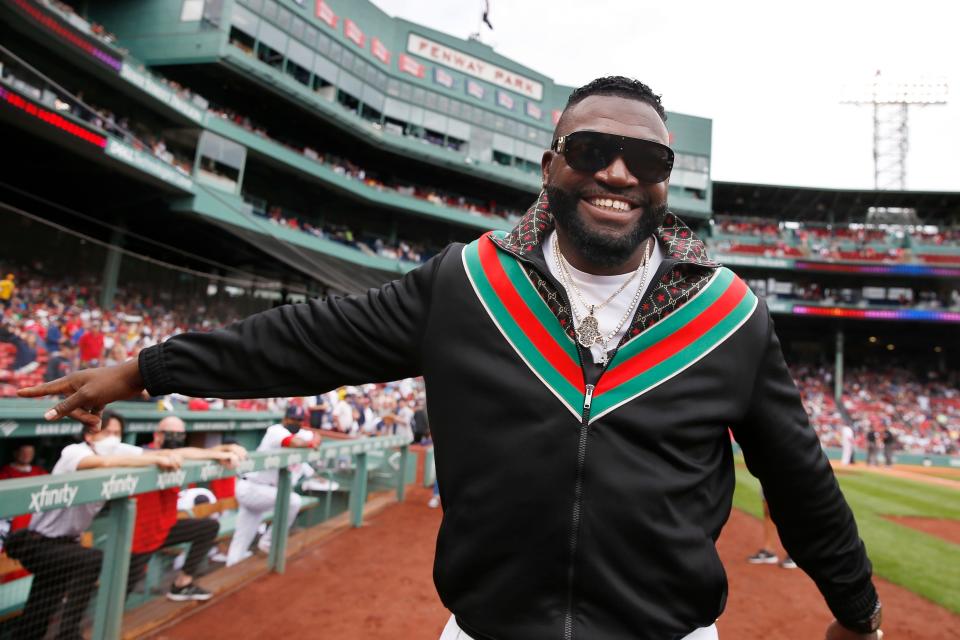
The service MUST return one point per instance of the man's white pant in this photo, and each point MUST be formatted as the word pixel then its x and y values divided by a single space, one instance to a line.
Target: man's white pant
pixel 255 500
pixel 454 632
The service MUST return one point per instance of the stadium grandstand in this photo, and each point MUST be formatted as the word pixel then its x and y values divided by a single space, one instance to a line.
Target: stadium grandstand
pixel 175 166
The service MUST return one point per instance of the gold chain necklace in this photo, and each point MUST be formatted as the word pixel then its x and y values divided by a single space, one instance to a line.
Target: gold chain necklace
pixel 588 329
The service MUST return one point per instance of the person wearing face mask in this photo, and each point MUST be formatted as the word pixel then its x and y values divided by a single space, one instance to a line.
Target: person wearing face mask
pixel 257 492
pixel 157 526
pixel 50 548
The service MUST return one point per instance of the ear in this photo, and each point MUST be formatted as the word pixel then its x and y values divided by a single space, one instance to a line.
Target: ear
pixel 545 163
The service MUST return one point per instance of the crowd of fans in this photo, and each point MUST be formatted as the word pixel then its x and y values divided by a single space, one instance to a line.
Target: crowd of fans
pixel 138 136
pixel 917 413
pixel 777 239
pixel 348 168
pixel 92 29
pixel 916 298
pixel 51 328
pixel 343 234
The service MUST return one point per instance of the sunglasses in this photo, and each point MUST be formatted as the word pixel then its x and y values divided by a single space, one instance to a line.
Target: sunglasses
pixel 591 151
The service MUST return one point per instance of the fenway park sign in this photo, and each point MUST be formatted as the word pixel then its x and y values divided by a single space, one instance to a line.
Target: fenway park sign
pixel 475 67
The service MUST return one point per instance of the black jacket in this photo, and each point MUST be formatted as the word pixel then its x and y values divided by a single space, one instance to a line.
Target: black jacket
pixel 575 506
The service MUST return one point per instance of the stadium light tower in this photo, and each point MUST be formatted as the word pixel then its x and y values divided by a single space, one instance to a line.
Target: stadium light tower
pixel 891 100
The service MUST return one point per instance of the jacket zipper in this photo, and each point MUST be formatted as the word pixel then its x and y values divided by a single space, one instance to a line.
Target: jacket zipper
pixel 577 498
pixel 578 482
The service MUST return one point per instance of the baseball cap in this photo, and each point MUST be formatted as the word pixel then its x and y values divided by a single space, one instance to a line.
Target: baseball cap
pixel 294 412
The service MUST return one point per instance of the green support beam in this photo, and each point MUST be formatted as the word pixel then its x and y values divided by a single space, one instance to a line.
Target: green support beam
pixel 277 560
pixel 838 369
pixel 112 593
pixel 111 269
pixel 402 475
pixel 358 490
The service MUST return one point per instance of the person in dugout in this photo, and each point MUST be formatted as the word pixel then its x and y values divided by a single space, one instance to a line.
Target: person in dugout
pixel 157 525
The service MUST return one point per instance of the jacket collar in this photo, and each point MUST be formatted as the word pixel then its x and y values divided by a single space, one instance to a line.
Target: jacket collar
pixel 676 239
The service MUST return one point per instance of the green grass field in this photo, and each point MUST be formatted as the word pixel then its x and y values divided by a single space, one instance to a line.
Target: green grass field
pixel 927 565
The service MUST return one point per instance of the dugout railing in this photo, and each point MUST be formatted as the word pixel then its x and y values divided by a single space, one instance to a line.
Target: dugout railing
pixel 117 486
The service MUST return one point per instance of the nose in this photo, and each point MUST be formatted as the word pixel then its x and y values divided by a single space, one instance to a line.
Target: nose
pixel 616 174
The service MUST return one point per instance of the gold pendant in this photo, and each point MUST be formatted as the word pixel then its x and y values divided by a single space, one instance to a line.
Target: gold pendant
pixel 588 331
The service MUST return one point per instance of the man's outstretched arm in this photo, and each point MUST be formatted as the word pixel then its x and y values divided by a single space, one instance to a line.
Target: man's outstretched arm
pixel 299 349
pixel 815 523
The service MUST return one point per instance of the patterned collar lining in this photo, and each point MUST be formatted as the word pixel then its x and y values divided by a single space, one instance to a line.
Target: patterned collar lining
pixel 689 273
pixel 675 238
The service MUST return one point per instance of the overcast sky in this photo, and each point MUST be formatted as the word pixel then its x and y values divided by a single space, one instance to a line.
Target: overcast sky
pixel 769 74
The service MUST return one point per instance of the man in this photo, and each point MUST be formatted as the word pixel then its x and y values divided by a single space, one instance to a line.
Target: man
pixel 257 492
pixel 157 525
pixel 91 345
pixel 50 549
pixel 584 370
pixel 847 437
pixel 7 287
pixel 21 467
pixel 62 362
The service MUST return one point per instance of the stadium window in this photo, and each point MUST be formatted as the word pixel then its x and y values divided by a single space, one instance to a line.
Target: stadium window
pixel 269 55
pixel 510 127
pixel 455 143
pixel 310 35
pixel 346 60
pixel 298 73
pixel 432 99
pixel 348 101
pixel 499 123
pixel 242 41
pixel 270 9
pixel 370 114
pixel 419 96
pixel 502 158
pixel 323 43
pixel 284 19
pixel 381 81
pixel 320 83
pixel 394 125
pixel 360 67
pixel 256 5
pixel 336 51
pixel 454 108
pixel 487 119
pixel 191 11
pixel 297 27
pixel 212 13
pixel 406 92
pixel 443 104
pixel 393 88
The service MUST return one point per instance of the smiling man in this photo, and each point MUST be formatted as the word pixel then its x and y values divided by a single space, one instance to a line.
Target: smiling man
pixel 583 373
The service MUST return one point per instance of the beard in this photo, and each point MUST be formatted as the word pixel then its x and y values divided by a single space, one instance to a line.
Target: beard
pixel 601 249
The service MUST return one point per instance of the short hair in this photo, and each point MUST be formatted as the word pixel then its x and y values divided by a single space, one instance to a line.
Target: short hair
pixel 109 415
pixel 619 86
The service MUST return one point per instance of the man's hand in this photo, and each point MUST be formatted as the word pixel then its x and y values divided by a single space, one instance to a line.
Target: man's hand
pixel 89 391
pixel 235 449
pixel 837 631
pixel 228 459
pixel 167 460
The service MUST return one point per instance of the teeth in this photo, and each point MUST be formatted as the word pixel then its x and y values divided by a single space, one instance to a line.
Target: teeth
pixel 609 203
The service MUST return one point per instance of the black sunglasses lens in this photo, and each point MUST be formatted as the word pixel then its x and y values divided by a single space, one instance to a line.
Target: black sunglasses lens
pixel 648 161
pixel 589 152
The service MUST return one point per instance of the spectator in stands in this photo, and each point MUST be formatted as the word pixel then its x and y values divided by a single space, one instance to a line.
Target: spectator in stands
pixel 50 548
pixel 7 288
pixel 61 362
pixel 91 346
pixel 257 492
pixel 420 424
pixel 157 525
pixel 25 360
pixel 21 466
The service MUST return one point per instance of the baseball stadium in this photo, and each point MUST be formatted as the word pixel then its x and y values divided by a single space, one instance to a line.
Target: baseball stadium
pixel 174 167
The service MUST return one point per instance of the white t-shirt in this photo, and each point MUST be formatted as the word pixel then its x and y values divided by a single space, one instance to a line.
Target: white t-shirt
pixel 73 521
pixel 273 441
pixel 343 411
pixel 596 289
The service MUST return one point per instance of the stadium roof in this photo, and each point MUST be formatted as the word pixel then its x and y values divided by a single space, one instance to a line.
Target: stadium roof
pixel 831 205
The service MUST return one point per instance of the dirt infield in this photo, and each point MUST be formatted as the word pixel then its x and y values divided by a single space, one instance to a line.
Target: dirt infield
pixel 375 583
pixel 949 530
